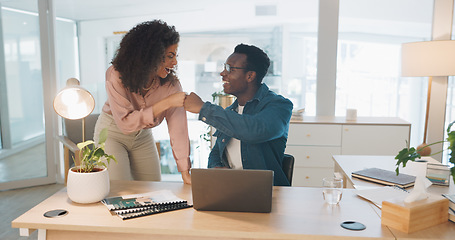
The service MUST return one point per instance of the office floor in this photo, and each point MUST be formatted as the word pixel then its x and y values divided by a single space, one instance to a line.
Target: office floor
pixel 12 167
pixel 16 202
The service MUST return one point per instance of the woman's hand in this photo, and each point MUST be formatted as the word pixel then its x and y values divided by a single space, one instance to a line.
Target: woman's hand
pixel 171 101
pixel 186 177
pixel 176 99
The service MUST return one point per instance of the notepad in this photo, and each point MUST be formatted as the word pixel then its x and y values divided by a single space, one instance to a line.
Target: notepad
pixel 378 195
pixel 138 205
pixel 451 198
pixel 385 177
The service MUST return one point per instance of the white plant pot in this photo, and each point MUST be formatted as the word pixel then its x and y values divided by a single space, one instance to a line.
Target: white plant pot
pixel 88 187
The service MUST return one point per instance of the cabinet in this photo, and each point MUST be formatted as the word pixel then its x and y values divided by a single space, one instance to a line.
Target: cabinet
pixel 313 140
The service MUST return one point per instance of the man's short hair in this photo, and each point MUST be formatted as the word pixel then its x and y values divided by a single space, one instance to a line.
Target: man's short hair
pixel 256 60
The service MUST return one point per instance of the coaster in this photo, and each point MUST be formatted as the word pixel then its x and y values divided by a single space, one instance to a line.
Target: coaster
pixel 351 225
pixel 55 213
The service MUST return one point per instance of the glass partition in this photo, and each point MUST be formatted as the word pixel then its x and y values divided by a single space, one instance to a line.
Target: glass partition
pixel 23 142
pixel 22 107
pixel 23 75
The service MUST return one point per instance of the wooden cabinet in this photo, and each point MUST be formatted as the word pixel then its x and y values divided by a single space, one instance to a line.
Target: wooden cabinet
pixel 374 139
pixel 314 140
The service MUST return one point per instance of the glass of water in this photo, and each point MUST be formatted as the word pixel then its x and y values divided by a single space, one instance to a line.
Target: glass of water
pixel 332 190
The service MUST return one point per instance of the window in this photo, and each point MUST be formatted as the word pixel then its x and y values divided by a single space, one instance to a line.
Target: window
pixel 22 109
pixel 368 66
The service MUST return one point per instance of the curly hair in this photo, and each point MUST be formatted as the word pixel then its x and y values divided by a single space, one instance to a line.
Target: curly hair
pixel 141 52
pixel 256 60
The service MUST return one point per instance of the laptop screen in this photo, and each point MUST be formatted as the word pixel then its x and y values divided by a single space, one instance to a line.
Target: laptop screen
pixel 221 189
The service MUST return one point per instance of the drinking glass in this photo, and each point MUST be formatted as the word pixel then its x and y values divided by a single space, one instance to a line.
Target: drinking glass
pixel 332 190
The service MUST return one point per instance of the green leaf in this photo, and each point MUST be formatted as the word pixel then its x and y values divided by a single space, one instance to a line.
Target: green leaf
pixel 94 157
pixel 84 144
pixel 404 156
pixel 103 136
pixel 450 126
pixel 112 157
pixel 102 164
pixel 451 140
pixel 98 153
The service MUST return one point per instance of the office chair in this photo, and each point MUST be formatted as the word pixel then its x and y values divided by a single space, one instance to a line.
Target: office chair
pixel 288 166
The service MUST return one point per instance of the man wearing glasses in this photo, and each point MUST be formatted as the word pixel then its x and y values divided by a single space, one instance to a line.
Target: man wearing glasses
pixel 252 132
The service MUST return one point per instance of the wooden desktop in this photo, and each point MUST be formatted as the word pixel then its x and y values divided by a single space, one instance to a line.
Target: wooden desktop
pixel 297 213
pixel 346 164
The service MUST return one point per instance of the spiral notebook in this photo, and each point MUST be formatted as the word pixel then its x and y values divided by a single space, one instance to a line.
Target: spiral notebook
pixel 144 204
pixel 378 195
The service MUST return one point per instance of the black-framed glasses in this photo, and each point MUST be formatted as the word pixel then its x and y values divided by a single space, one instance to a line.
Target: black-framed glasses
pixel 228 67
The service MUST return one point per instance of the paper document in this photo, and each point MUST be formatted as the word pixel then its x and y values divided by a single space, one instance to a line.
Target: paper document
pixel 378 195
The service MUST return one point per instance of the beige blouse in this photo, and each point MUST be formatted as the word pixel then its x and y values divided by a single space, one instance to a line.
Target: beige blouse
pixel 133 112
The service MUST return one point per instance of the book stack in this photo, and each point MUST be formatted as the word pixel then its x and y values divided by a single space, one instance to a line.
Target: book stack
pixel 139 205
pixel 451 198
pixel 297 115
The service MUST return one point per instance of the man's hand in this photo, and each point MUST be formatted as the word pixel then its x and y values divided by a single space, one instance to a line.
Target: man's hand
pixel 186 177
pixel 193 103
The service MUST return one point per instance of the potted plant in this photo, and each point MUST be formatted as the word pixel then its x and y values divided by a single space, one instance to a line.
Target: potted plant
pixel 89 182
pixel 222 99
pixel 412 154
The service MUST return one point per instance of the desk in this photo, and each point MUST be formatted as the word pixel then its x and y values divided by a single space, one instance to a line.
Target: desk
pixel 346 164
pixel 297 213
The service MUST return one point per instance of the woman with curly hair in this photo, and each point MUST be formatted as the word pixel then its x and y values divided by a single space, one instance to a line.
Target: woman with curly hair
pixel 142 90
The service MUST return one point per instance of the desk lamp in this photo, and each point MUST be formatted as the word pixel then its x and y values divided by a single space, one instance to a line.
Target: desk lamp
pixel 428 59
pixel 74 102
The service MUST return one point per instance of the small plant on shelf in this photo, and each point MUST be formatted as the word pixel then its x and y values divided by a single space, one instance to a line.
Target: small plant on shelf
pixel 215 95
pixel 411 154
pixel 93 156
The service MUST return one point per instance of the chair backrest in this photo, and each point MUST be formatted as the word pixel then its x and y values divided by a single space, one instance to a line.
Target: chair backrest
pixel 288 166
pixel 73 128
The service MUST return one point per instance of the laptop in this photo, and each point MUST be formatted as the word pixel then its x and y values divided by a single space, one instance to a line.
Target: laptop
pixel 232 190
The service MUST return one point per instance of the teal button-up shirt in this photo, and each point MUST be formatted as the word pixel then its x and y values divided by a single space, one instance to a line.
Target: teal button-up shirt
pixel 262 130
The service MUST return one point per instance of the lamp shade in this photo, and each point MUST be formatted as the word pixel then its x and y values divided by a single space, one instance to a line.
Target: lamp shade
pixel 73 101
pixel 428 59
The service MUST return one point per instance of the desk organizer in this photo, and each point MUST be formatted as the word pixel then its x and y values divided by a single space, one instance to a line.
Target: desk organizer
pixel 412 217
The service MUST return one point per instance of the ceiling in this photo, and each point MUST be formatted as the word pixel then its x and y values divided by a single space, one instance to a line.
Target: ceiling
pixel 82 10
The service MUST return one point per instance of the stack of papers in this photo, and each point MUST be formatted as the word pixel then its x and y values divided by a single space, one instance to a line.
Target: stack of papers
pixel 378 195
